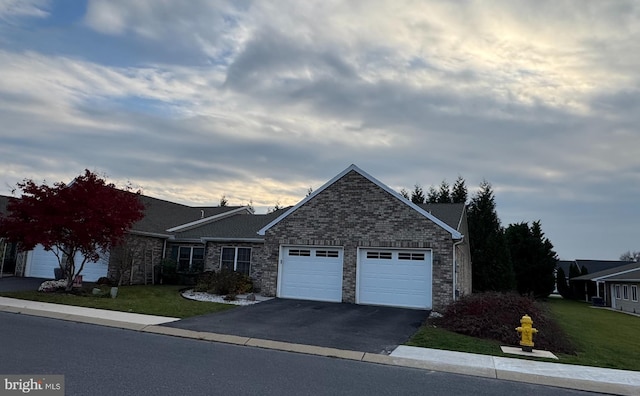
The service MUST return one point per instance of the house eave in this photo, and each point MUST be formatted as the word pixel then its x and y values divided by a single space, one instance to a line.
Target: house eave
pixel 227 239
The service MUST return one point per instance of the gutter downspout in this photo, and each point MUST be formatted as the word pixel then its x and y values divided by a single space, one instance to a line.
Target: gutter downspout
pixel 455 273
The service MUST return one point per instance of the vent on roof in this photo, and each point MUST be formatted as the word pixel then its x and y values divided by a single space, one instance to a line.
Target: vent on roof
pixel 202 213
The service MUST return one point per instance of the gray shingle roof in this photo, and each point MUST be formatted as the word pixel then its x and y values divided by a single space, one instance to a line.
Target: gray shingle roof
pixel 450 213
pixel 631 276
pixel 160 215
pixel 236 227
pixel 624 266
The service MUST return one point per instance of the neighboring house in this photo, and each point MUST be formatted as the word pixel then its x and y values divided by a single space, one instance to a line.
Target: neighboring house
pixel 352 240
pixel 582 286
pixel 618 286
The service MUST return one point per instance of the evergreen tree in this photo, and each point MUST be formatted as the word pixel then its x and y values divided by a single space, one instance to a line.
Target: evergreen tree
pixel 444 196
pixel 492 269
pixel 223 200
pixel 533 259
pixel 405 194
pixel 417 195
pixel 432 195
pixel 561 283
pixel 459 191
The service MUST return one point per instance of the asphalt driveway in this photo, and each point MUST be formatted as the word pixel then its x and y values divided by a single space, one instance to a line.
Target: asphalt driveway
pixel 15 284
pixel 344 326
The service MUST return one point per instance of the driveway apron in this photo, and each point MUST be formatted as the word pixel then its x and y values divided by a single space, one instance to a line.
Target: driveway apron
pixel 345 326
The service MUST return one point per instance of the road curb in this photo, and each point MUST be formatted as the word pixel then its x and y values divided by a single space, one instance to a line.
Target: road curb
pixel 502 368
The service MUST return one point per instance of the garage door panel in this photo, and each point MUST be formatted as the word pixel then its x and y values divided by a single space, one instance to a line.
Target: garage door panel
pixel 311 274
pixel 395 278
pixel 42 263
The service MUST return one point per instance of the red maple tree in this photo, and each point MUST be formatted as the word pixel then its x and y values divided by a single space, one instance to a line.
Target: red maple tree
pixel 86 216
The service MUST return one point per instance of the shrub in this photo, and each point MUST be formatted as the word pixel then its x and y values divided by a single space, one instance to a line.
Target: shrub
pixel 224 282
pixel 105 281
pixel 495 316
pixel 169 274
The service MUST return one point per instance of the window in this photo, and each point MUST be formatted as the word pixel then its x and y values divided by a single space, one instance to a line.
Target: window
pixel 617 291
pixel 634 293
pixel 625 292
pixel 327 253
pixel 236 259
pixel 188 258
pixel 411 256
pixel 379 255
pixel 300 252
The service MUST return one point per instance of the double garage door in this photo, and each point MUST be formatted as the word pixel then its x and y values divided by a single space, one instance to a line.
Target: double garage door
pixel 400 278
pixel 41 263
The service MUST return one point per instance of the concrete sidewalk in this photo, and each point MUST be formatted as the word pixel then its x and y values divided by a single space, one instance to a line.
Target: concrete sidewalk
pixel 554 374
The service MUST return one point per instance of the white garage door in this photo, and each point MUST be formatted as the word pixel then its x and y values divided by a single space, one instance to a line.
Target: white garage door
pixel 311 273
pixel 41 264
pixel 399 278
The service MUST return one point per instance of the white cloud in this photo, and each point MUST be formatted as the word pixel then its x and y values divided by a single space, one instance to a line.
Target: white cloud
pixel 10 9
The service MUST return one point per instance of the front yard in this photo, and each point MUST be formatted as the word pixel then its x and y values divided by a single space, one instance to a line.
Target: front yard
pixel 604 338
pixel 162 300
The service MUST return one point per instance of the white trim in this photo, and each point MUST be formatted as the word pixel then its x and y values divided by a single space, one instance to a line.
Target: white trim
pixel 454 233
pixel 151 234
pixel 604 277
pixel 209 219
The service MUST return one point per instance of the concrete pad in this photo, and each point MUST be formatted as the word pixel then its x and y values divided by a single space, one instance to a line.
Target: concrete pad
pixel 535 353
pixel 593 379
pixel 87 312
pixel 448 361
pixel 308 349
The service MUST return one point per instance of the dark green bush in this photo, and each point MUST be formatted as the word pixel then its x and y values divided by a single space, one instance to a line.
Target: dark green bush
pixel 168 271
pixel 495 316
pixel 224 282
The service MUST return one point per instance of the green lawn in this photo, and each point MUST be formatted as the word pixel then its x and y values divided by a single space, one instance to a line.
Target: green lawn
pixel 604 338
pixel 163 300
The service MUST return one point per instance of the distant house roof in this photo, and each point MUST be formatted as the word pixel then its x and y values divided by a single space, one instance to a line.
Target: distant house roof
pixel 402 200
pixel 619 272
pixel 592 266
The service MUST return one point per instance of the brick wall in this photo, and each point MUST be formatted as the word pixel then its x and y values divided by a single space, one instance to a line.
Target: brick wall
pixel 213 255
pixel 354 212
pixel 137 257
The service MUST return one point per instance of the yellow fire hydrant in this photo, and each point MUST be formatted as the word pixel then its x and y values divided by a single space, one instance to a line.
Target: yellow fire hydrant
pixel 526 331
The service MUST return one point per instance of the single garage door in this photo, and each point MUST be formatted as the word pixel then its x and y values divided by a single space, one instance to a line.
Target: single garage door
pixel 399 278
pixel 41 263
pixel 311 273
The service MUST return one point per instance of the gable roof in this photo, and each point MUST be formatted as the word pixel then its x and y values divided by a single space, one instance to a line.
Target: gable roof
pixel 161 215
pixel 238 227
pixel 353 168
pixel 450 213
pixel 592 266
pixel 620 270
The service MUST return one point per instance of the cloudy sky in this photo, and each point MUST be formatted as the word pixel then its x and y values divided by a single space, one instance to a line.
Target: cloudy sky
pixel 190 100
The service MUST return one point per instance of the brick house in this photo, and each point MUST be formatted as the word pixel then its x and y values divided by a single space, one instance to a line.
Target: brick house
pixel 356 240
pixel 352 240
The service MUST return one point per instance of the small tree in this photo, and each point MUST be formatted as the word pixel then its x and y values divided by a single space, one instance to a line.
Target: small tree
pixel 444 196
pixel 561 283
pixel 630 256
pixel 417 195
pixel 405 194
pixel 223 201
pixel 87 217
pixel 459 191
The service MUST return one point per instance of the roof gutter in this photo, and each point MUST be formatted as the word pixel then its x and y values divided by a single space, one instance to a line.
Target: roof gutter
pixel 223 239
pixel 454 272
